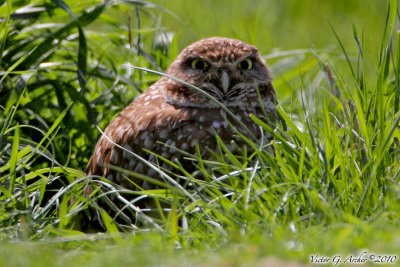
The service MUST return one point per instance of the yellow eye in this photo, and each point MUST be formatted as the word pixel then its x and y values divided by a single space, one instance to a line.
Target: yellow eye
pixel 198 64
pixel 246 64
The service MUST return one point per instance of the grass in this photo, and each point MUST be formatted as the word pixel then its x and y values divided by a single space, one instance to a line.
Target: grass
pixel 332 187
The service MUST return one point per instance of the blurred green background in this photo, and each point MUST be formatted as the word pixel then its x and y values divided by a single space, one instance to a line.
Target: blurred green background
pixel 271 24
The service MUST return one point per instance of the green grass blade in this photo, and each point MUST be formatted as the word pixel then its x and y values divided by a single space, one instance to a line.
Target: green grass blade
pixel 16 64
pixel 396 67
pixel 13 159
pixel 47 44
pixel 344 51
pixel 4 30
pixel 82 60
pixel 82 48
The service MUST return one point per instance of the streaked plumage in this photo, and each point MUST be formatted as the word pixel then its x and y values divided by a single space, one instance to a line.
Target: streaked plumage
pixel 171 115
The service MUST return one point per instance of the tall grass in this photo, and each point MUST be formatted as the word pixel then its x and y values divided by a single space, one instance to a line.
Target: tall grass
pixel 334 170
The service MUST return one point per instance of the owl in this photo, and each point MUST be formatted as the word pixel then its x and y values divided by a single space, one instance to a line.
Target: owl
pixel 210 89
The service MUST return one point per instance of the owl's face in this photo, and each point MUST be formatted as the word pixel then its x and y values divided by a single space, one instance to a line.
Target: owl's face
pixel 229 70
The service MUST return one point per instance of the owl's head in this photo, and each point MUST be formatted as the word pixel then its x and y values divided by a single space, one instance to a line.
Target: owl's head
pixel 229 70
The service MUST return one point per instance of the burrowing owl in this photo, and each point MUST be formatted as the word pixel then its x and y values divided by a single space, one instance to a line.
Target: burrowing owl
pixel 171 116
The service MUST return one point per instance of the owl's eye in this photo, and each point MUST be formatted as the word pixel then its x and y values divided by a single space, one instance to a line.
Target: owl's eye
pixel 246 64
pixel 199 64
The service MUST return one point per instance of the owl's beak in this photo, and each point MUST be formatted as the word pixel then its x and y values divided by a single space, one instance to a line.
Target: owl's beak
pixel 225 81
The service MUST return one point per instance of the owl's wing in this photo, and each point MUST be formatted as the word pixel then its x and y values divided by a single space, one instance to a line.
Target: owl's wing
pixel 141 126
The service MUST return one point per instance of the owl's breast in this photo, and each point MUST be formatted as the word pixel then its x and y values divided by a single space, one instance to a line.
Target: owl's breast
pixel 202 126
